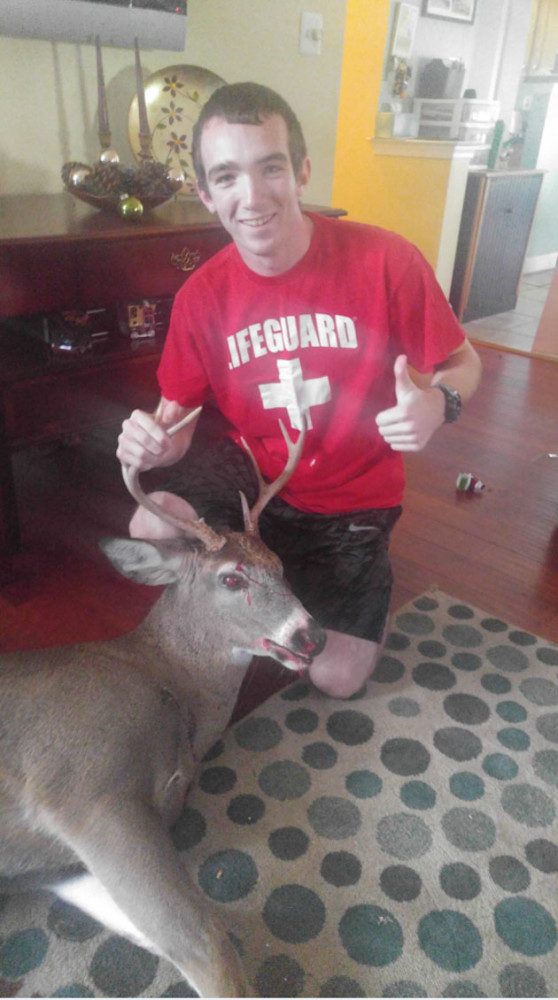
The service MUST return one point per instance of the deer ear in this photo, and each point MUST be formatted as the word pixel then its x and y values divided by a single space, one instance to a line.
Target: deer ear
pixel 153 563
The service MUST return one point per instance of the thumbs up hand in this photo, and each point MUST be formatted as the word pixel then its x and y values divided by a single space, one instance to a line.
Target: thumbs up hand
pixel 409 425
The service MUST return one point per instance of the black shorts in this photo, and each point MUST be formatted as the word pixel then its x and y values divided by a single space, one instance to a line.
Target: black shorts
pixel 337 565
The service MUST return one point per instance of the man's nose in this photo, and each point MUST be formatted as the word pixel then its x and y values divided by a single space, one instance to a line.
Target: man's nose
pixel 251 189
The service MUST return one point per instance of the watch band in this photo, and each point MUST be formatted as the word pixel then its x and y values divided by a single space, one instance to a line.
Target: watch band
pixel 453 404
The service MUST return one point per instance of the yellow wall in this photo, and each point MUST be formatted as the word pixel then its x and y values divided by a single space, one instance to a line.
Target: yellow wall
pixel 407 195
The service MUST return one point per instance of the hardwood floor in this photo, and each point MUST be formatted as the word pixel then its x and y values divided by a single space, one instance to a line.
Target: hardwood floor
pixel 498 550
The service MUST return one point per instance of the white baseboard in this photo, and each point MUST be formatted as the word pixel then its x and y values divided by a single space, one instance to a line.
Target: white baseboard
pixel 544 262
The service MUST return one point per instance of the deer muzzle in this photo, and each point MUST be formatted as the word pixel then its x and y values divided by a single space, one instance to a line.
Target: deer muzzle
pixel 303 645
pixel 309 641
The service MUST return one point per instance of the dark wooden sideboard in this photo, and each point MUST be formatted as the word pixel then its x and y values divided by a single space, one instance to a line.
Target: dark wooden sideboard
pixel 59 254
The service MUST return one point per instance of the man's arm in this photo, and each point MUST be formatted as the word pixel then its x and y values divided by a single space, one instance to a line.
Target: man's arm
pixel 420 407
pixel 461 371
pixel 144 442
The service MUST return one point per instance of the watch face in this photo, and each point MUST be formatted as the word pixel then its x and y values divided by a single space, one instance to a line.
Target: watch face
pixel 453 403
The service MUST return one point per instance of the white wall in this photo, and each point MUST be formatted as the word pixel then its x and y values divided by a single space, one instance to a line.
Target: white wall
pixel 492 48
pixel 48 90
pixel 514 55
pixel 502 28
pixel 446 40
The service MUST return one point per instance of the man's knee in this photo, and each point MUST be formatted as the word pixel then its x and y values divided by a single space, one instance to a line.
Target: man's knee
pixel 345 664
pixel 144 524
pixel 340 683
pixel 336 686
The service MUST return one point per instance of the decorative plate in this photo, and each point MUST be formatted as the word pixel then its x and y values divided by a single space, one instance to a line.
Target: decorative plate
pixel 174 97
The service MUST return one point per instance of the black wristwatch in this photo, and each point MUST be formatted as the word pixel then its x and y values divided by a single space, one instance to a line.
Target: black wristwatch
pixel 453 402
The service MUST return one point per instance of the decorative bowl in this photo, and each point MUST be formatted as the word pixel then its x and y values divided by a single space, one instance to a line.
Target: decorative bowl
pixel 112 202
pixel 149 183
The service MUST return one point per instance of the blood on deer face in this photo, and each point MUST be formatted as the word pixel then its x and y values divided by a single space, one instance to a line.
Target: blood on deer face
pixel 264 617
pixel 231 601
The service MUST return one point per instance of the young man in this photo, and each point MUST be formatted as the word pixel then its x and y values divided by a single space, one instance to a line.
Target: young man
pixel 313 320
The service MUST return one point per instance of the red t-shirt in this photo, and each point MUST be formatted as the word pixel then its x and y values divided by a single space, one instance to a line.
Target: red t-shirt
pixel 319 339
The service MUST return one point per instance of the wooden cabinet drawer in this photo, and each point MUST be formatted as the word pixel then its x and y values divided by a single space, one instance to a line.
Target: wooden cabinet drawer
pixel 37 278
pixel 156 266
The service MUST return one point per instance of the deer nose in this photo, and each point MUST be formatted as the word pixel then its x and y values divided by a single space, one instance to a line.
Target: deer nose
pixel 311 640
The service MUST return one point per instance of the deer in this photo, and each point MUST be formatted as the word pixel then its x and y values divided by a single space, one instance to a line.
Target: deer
pixel 99 742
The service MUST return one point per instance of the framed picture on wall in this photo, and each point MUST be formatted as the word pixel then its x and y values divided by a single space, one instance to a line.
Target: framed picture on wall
pixel 450 10
pixel 404 28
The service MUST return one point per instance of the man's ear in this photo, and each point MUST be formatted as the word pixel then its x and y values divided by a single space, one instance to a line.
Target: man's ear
pixel 303 176
pixel 205 198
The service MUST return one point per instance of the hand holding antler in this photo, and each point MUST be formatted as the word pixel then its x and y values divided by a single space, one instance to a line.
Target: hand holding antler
pixel 146 441
pixel 190 526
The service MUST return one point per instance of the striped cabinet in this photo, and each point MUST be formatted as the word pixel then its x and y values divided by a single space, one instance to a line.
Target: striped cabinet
pixel 498 212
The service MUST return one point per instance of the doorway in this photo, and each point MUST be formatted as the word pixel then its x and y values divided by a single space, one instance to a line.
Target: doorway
pixel 516 330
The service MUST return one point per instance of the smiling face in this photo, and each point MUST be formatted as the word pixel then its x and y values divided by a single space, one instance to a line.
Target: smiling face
pixel 252 187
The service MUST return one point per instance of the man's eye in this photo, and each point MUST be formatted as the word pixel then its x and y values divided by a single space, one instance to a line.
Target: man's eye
pixel 224 179
pixel 232 581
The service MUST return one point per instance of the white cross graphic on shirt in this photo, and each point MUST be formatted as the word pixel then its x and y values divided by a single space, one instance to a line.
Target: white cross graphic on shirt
pixel 294 393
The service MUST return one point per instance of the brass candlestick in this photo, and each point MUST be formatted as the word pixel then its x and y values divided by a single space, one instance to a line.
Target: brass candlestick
pixel 108 154
pixel 146 148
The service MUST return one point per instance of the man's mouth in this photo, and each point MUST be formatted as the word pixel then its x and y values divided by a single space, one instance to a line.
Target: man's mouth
pixel 262 220
pixel 289 659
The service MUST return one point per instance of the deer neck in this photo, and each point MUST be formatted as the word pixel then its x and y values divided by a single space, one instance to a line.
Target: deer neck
pixel 194 662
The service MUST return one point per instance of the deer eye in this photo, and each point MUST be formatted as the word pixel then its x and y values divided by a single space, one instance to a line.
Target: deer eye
pixel 234 581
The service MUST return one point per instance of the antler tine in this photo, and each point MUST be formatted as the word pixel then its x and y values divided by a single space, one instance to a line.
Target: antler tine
pixel 269 490
pixel 190 526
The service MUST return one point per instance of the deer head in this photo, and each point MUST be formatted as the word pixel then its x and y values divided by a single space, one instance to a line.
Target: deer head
pixel 235 582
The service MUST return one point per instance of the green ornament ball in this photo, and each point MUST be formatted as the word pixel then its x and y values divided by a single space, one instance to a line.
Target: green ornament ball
pixel 130 208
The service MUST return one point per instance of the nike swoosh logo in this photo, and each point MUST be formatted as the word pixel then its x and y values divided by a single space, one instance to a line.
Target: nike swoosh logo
pixel 362 527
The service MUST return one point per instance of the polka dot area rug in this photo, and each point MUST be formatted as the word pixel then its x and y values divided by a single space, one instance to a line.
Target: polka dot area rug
pixel 403 843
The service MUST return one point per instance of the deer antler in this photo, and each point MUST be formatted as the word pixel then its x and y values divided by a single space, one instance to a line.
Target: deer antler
pixel 269 490
pixel 196 526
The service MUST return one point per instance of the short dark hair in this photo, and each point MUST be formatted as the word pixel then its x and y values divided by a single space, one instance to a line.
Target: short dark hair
pixel 247 104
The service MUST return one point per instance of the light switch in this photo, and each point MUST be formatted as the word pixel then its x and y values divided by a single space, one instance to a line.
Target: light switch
pixel 311 31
